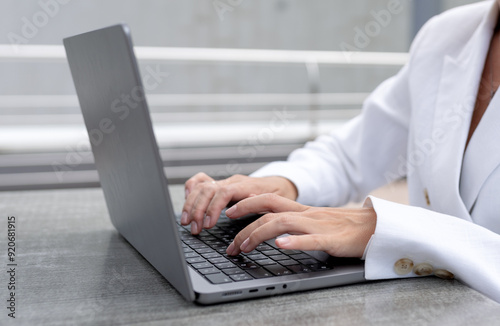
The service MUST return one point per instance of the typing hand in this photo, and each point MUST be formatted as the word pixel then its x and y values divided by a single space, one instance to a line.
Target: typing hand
pixel 340 232
pixel 206 198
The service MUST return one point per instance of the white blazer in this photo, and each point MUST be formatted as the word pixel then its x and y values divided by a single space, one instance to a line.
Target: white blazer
pixel 416 124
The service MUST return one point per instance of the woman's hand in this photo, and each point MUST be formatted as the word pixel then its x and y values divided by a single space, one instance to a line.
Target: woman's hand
pixel 206 198
pixel 340 232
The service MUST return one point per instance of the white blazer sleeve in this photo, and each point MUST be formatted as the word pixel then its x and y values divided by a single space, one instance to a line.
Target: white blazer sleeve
pixel 469 251
pixel 345 165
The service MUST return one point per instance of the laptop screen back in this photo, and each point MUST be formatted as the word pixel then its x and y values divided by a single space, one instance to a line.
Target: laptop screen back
pixel 116 115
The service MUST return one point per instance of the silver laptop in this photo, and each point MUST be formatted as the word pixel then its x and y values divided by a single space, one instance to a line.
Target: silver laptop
pixel 116 115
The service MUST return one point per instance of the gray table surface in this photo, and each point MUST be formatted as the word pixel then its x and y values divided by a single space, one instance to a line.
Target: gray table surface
pixel 75 269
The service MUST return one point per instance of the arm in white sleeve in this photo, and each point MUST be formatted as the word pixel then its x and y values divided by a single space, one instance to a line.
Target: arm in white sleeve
pixel 348 163
pixel 469 251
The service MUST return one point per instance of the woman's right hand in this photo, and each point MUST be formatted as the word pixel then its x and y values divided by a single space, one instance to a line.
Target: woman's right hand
pixel 206 198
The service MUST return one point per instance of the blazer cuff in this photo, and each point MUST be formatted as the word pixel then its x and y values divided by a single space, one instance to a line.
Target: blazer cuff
pixel 405 233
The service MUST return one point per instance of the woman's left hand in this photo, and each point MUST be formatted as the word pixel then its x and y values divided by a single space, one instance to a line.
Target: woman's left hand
pixel 340 232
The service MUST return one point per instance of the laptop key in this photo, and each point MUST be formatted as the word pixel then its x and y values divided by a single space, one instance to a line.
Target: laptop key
pixel 195 260
pixel 218 278
pixel 198 246
pixel 299 269
pixel 231 271
pixel 206 238
pixel 279 257
pixel 271 243
pixel 204 250
pixel 239 259
pixel 248 265
pixel 218 260
pixel 264 262
pixel 290 251
pixel 278 270
pixel 203 233
pixel 300 256
pixel 309 261
pixel 241 277
pixel 270 252
pixel 213 243
pixel 191 242
pixel 263 247
pixel 202 265
pixel 259 272
pixel 215 232
pixel 319 267
pixel 288 262
pixel 257 256
pixel 219 246
pixel 224 265
pixel 211 255
pixel 191 255
pixel 210 270
pixel 227 239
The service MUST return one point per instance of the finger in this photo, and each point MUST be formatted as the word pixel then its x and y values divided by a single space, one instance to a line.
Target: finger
pixel 335 246
pixel 264 203
pixel 191 197
pixel 221 198
pixel 194 180
pixel 270 227
pixel 230 192
pixel 200 205
pixel 204 189
pixel 316 241
pixel 223 195
pixel 188 205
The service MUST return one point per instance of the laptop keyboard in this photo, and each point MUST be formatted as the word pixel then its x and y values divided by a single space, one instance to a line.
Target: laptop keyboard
pixel 206 253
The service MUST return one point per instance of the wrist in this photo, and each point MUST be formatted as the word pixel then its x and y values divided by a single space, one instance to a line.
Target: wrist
pixel 285 188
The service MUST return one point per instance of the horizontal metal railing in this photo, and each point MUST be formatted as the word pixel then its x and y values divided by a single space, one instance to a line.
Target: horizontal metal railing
pixel 254 99
pixel 77 169
pixel 32 145
pixel 55 53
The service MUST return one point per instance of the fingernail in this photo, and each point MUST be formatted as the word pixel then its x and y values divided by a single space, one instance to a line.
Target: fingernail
pixel 230 249
pixel 194 227
pixel 206 222
pixel 244 245
pixel 186 193
pixel 231 210
pixel 282 242
pixel 184 218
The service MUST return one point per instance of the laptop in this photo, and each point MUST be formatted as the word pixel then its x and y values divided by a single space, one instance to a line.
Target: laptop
pixel 114 107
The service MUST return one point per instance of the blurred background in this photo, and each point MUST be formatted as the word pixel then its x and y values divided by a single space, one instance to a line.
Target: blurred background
pixel 237 83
